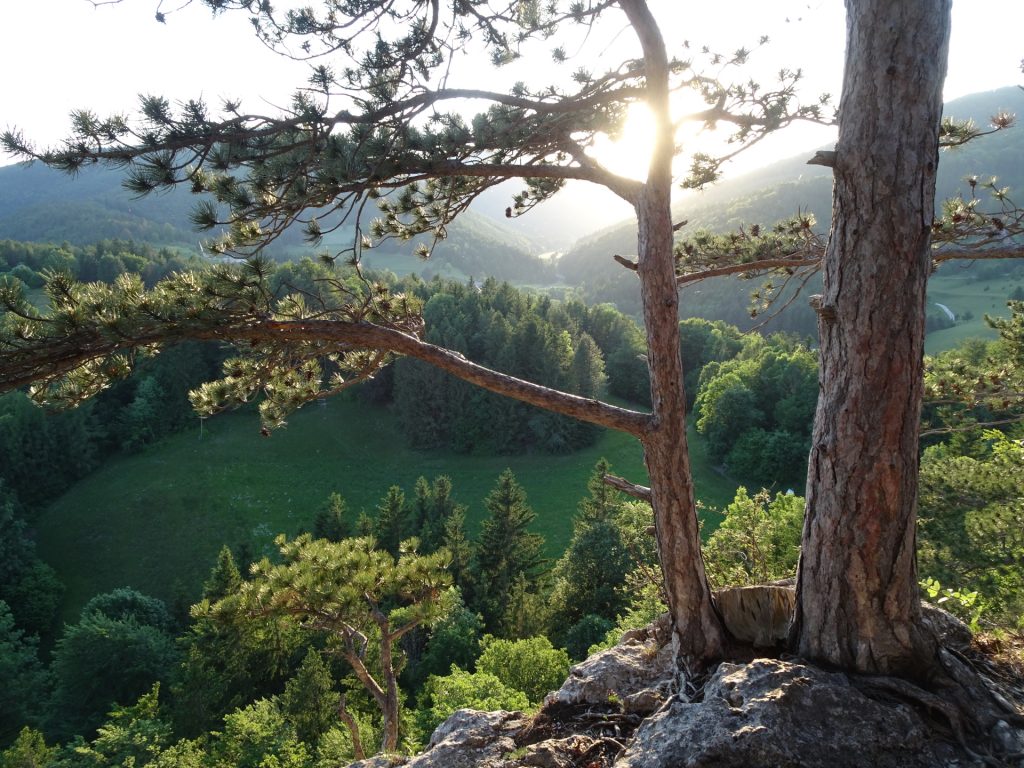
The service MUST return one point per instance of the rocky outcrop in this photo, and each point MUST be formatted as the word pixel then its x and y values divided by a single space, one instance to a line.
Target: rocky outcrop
pixel 467 739
pixel 621 708
pixel 777 713
pixel 638 673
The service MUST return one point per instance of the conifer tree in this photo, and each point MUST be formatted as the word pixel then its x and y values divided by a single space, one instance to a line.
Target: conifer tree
pixel 588 367
pixel 224 579
pixel 507 551
pixel 309 700
pixel 588 578
pixel 29 750
pixel 331 522
pixel 227 662
pixel 439 513
pixel 364 525
pixel 24 683
pixel 360 599
pixel 420 510
pixel 392 524
pixel 458 545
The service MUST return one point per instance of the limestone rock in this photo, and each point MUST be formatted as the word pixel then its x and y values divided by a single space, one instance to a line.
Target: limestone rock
pixel 947 628
pixel 639 672
pixel 764 714
pixel 553 753
pixel 379 761
pixel 782 714
pixel 471 739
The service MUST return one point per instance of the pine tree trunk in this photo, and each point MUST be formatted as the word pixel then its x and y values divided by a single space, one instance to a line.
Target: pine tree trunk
pixel 391 704
pixel 857 595
pixel 698 629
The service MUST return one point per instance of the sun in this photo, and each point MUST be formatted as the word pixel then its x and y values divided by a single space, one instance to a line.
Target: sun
pixel 630 154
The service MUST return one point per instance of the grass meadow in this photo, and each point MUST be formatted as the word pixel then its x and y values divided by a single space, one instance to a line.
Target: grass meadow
pixel 957 289
pixel 155 520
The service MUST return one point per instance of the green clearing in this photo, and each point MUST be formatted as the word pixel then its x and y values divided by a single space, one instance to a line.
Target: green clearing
pixel 155 520
pixel 963 292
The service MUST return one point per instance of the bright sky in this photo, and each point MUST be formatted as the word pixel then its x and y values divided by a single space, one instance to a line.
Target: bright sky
pixel 56 55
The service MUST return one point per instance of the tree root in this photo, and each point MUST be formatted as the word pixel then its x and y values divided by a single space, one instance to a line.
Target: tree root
pixel 982 688
pixel 908 691
pixel 971 704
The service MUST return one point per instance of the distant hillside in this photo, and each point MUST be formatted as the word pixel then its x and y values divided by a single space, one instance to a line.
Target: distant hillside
pixel 41 205
pixel 578 210
pixel 779 190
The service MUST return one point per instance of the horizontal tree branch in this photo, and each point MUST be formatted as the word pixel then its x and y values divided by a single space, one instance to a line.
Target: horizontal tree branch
pixel 939 256
pixel 369 336
pixel 1014 251
pixel 747 266
pixel 641 492
pixel 43 360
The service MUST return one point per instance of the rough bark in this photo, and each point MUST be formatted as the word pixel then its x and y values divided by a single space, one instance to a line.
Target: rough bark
pixel 857 593
pixel 358 752
pixel 390 705
pixel 698 629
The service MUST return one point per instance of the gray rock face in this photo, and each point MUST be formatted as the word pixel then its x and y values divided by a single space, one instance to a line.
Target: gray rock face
pixel 639 673
pixel 470 739
pixel 779 714
pixel 947 628
pixel 764 714
pixel 378 761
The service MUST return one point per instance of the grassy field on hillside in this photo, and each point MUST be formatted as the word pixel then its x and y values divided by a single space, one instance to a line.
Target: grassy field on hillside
pixel 962 293
pixel 156 520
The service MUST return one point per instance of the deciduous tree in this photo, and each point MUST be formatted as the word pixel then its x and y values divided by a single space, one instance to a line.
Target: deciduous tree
pixel 108 658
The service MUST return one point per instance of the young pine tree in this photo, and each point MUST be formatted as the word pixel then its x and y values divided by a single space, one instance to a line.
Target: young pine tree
pixel 392 523
pixel 589 577
pixel 310 701
pixel 331 522
pixel 440 510
pixel 420 510
pixel 459 547
pixel 224 579
pixel 506 550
